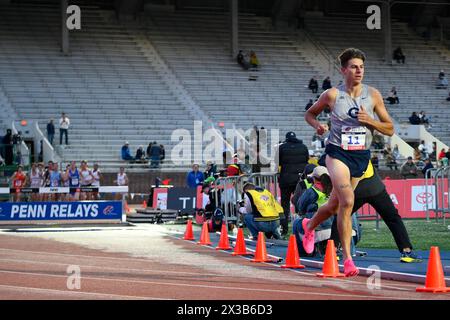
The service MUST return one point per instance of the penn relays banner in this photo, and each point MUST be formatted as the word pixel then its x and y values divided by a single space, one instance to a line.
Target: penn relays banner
pixel 57 211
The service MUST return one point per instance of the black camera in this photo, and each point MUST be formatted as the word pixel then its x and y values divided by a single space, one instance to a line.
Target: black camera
pixel 17 138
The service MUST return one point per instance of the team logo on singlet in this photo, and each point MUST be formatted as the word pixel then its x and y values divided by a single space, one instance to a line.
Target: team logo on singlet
pixel 353 112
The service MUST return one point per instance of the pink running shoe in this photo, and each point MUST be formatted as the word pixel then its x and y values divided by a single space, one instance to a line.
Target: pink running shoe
pixel 308 238
pixel 349 268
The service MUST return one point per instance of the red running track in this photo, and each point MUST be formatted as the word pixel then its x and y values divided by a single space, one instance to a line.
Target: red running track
pixel 35 268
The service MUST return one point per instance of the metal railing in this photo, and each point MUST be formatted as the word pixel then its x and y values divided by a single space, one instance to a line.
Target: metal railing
pixel 437 185
pixel 228 192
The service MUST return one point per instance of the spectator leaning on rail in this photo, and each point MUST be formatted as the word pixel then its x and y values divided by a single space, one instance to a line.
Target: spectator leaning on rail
pixel 292 157
pixel 261 211
pixel 409 169
pixel 428 165
pixel 195 177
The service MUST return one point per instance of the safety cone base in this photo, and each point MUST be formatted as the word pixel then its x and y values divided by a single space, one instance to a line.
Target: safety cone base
pixel 204 243
pixel 433 290
pixel 323 275
pixel 299 266
pixel 264 260
pixel 242 253
pixel 220 248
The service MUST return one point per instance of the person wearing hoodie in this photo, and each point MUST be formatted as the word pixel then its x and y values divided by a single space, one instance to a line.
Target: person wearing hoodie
pixel 291 158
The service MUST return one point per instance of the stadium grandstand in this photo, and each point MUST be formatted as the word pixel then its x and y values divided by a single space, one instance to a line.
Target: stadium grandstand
pixel 139 71
pixel 189 81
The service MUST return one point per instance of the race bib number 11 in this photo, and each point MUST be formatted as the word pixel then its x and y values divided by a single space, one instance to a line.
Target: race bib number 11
pixel 353 138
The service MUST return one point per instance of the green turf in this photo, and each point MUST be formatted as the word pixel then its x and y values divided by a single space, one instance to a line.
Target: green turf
pixel 422 234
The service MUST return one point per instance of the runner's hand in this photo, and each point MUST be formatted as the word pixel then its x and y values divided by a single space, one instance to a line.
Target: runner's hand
pixel 321 129
pixel 363 116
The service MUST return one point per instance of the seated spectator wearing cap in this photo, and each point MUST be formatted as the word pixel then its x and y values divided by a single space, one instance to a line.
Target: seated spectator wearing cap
pixel 234 169
pixel 409 169
pixel 126 153
pixel 261 211
pixel 305 182
pixel 414 119
pixel 311 200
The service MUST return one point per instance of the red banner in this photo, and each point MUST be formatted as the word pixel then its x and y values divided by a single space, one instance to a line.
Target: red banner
pixel 411 197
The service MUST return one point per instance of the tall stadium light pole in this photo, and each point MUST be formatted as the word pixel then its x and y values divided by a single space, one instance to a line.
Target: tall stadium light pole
pixel 234 27
pixel 64 30
pixel 387 31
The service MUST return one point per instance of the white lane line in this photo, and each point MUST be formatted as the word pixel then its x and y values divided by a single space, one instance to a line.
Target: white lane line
pixel 78 293
pixel 306 293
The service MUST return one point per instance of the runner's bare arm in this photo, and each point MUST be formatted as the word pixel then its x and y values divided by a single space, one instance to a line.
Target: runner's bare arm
pixel 326 99
pixel 384 125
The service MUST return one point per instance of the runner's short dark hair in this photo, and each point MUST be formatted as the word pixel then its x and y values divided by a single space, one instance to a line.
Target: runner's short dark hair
pixel 350 53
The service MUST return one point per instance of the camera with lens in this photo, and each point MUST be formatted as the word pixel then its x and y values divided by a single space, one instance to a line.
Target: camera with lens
pixel 17 138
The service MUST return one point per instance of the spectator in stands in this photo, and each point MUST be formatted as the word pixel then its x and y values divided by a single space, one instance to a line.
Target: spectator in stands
pixel 7 142
pixel 147 152
pixel 396 152
pixel 428 165
pixel 399 56
pixel 126 153
pixel 423 118
pixel 414 119
pixel 326 84
pixel 155 155
pixel 18 181
pixel 234 169
pixel 261 211
pixel 393 98
pixel 64 124
pixel 442 81
pixel 163 153
pixel 140 155
pixel 254 62
pixel 309 104
pixel 409 169
pixel 423 150
pixel 417 155
pixel 211 169
pixel 448 98
pixel 375 160
pixel 50 131
pixel 378 141
pixel 292 157
pixel 195 177
pixel 313 85
pixel 242 61
pixel 432 154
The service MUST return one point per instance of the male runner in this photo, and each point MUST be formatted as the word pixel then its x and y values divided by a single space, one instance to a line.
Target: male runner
pixel 352 106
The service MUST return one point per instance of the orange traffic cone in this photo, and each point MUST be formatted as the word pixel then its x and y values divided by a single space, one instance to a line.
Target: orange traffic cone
pixel 240 249
pixel 330 264
pixel 144 204
pixel 189 234
pixel 204 238
pixel 435 281
pixel 261 250
pixel 292 256
pixel 224 243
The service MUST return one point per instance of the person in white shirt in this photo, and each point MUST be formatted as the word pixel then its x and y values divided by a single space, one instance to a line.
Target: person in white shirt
pixel 64 124
pixel 96 182
pixel 122 180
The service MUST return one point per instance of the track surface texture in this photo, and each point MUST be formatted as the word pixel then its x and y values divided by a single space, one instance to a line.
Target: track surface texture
pixel 149 262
